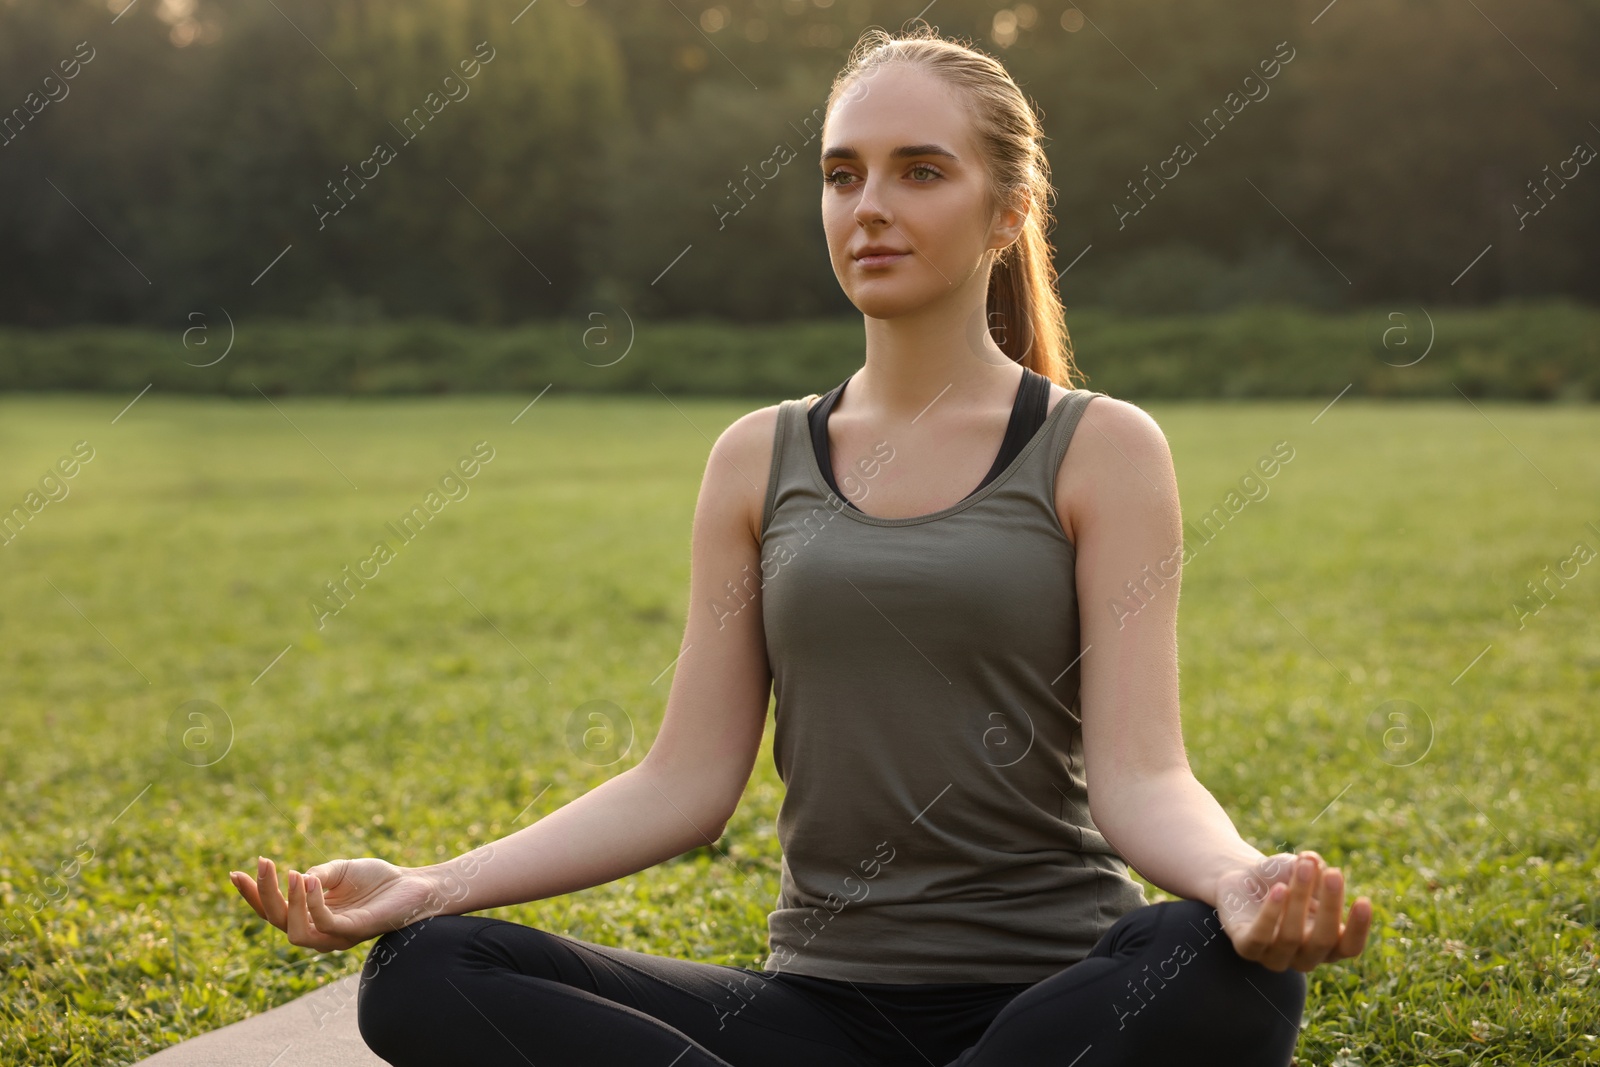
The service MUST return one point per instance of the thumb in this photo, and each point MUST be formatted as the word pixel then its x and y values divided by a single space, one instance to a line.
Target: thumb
pixel 1278 867
pixel 329 874
pixel 1251 886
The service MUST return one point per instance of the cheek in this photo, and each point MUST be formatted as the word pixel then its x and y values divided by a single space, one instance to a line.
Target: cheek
pixel 836 219
pixel 838 225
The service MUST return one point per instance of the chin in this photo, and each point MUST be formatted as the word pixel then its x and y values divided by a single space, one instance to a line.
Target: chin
pixel 890 301
pixel 880 297
pixel 886 305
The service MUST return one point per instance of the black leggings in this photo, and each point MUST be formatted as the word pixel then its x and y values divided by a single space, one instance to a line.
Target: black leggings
pixel 1163 985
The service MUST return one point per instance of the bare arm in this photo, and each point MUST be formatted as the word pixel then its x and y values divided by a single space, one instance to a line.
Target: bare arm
pixel 1282 910
pixel 618 828
pixel 678 797
pixel 1128 528
pixel 681 795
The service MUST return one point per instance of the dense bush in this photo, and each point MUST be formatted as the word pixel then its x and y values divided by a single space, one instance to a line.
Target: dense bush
pixel 1546 350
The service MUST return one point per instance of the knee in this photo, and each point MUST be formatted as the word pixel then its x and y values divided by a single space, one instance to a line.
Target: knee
pixel 1273 996
pixel 1285 990
pixel 402 979
pixel 1268 1023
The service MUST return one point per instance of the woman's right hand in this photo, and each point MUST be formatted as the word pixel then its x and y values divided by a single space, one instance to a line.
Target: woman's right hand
pixel 341 903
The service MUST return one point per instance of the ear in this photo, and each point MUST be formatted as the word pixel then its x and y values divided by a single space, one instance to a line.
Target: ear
pixel 1009 221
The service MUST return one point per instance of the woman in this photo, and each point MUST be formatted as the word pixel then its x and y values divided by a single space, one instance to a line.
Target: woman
pixel 946 897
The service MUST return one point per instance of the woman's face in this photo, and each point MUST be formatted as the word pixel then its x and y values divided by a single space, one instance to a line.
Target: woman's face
pixel 901 170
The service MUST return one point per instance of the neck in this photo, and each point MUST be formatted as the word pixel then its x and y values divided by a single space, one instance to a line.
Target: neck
pixel 942 355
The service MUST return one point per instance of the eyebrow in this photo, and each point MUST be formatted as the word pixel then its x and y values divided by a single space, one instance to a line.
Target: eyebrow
pixel 846 152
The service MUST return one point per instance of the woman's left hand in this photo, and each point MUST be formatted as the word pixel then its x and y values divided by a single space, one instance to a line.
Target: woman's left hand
pixel 1277 917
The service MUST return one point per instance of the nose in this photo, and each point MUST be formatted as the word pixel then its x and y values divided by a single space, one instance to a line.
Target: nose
pixel 871 206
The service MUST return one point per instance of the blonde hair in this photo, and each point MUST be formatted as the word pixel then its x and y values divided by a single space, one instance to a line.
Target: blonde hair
pixel 1022 288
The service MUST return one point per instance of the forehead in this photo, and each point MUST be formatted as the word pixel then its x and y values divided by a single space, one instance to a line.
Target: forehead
pixel 897 105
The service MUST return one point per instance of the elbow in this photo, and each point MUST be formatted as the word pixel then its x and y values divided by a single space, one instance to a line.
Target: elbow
pixel 713 827
pixel 704 817
pixel 704 834
pixel 1104 820
pixel 1134 801
pixel 1106 804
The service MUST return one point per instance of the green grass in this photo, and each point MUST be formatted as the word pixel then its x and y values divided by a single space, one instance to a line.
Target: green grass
pixel 1384 561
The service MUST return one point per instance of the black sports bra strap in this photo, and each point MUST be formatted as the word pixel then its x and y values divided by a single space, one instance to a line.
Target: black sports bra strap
pixel 1028 413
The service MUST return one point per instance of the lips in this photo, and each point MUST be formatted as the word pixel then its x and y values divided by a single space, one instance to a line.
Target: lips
pixel 877 256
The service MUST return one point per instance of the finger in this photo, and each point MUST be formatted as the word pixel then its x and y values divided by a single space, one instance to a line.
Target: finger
pixel 272 902
pixel 1261 932
pixel 301 932
pixel 1308 882
pixel 247 889
pixel 1324 935
pixel 1355 932
pixel 1292 930
pixel 324 918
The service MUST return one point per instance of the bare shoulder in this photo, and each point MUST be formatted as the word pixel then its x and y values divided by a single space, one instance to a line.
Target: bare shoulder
pixel 740 464
pixel 1115 441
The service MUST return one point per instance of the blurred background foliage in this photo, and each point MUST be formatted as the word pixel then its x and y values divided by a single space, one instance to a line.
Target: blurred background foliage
pixel 602 144
pixel 1534 350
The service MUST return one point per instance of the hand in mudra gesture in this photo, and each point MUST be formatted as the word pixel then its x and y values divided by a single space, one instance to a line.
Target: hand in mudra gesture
pixel 338 904
pixel 1277 917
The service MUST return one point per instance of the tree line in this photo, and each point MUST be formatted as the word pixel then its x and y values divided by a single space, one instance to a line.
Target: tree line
pixel 350 161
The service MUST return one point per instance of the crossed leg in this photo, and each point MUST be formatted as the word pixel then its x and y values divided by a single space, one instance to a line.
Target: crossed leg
pixel 1163 985
pixel 469 989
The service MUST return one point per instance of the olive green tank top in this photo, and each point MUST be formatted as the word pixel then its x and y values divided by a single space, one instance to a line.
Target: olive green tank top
pixel 935 824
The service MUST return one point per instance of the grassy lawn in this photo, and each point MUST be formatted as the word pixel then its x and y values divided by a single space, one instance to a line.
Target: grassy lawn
pixel 434 711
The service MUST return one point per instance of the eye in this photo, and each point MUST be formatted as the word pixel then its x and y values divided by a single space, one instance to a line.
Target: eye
pixel 839 177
